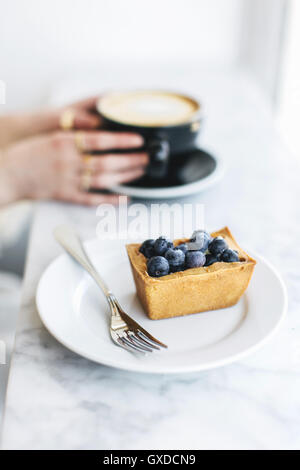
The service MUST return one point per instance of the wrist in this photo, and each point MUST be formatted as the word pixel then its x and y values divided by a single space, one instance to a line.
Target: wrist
pixel 21 126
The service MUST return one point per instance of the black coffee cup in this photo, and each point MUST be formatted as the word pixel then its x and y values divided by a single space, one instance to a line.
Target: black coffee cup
pixel 169 131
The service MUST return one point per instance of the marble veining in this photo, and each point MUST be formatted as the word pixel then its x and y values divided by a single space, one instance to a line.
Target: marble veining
pixel 58 400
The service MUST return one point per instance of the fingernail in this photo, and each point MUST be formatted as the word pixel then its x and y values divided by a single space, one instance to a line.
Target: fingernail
pixel 137 140
pixel 122 199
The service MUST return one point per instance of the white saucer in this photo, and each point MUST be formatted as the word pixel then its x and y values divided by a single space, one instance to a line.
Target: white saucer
pixel 74 310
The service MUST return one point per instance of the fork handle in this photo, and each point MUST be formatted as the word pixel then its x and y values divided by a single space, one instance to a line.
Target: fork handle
pixel 69 240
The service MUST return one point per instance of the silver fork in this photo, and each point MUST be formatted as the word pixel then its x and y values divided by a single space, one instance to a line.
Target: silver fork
pixel 125 332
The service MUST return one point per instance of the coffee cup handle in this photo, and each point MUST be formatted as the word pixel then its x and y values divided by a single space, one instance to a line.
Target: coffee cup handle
pixel 158 150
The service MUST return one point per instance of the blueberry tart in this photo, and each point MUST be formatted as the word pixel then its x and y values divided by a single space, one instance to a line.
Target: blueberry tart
pixel 205 272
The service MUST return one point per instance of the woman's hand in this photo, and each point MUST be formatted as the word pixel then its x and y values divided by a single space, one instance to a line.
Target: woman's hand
pixel 20 126
pixel 83 115
pixel 52 166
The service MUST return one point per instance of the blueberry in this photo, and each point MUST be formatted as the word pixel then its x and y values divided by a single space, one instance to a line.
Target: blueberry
pixel 161 245
pixel 211 259
pixel 194 259
pixel 202 238
pixel 176 259
pixel 158 266
pixel 183 247
pixel 217 246
pixel 229 256
pixel 147 248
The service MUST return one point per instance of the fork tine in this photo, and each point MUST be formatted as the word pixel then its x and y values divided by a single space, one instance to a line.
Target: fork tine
pixel 149 337
pixel 131 345
pixel 133 325
pixel 122 345
pixel 143 344
pixel 145 341
pixel 127 347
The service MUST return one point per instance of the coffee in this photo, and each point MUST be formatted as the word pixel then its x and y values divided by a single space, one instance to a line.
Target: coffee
pixel 148 108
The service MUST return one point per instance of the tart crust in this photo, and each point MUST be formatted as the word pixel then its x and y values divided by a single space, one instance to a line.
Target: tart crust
pixel 195 290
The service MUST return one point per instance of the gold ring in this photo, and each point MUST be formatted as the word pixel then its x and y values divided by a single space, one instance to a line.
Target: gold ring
pixel 85 182
pixel 86 158
pixel 80 141
pixel 66 120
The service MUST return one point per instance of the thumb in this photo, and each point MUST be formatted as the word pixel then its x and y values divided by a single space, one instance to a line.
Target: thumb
pixel 86 120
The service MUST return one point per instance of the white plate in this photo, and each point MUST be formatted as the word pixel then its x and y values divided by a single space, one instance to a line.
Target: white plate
pixel 74 310
pixel 174 191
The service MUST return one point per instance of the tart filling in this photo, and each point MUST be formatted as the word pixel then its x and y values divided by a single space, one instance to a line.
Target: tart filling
pixel 141 260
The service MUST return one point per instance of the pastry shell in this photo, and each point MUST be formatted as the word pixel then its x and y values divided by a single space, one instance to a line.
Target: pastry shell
pixel 194 290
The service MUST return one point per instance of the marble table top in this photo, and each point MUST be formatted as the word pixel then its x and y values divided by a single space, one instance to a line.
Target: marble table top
pixel 58 400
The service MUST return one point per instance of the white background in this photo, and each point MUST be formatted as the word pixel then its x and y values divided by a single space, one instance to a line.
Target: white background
pixel 43 41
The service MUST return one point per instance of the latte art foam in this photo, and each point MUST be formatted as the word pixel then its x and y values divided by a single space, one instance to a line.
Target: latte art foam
pixel 148 108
